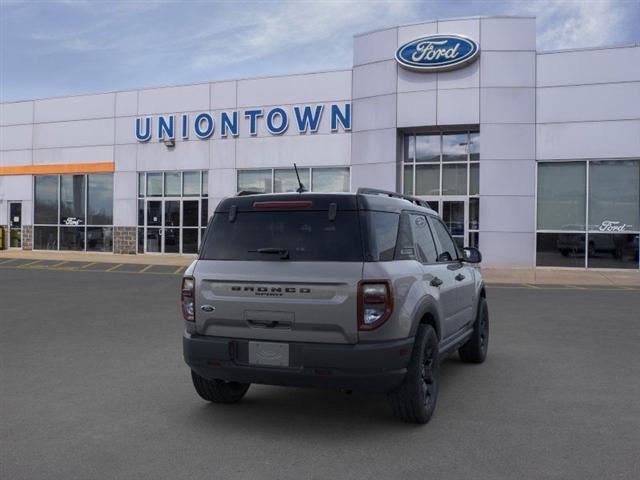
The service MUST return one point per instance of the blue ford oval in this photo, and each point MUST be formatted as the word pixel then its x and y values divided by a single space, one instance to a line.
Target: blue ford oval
pixel 436 53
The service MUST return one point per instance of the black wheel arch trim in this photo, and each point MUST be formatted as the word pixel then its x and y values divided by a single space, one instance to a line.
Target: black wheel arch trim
pixel 427 306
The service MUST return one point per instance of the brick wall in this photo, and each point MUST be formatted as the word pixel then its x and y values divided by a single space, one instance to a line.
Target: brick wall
pixel 124 240
pixel 27 237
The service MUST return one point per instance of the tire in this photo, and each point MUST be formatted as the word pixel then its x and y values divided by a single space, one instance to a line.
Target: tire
pixel 414 401
pixel 219 391
pixel 475 350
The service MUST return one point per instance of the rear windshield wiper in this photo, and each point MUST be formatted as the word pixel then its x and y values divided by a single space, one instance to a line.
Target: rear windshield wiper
pixel 283 252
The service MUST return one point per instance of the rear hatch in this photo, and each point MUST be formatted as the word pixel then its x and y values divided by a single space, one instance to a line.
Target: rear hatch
pixel 283 268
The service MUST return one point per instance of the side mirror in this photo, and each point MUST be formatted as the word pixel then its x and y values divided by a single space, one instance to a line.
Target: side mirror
pixel 471 255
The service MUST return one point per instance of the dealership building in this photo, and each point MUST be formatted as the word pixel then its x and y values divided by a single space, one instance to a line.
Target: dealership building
pixel 533 156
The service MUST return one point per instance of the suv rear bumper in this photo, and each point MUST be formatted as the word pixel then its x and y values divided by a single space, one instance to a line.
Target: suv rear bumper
pixel 366 367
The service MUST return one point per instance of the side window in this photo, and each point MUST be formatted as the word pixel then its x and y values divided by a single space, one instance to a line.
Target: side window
pixel 415 241
pixel 448 251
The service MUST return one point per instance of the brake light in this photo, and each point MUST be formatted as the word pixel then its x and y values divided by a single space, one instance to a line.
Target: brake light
pixel 284 204
pixel 187 298
pixel 375 303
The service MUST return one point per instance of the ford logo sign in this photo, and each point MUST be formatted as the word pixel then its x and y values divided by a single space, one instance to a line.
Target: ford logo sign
pixel 437 53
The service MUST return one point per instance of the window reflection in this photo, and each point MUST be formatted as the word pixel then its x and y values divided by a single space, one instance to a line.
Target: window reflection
pixel 560 249
pixel 612 251
pixel 454 147
pixel 428 148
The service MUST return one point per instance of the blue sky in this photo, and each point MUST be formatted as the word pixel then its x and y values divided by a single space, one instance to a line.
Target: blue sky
pixel 52 48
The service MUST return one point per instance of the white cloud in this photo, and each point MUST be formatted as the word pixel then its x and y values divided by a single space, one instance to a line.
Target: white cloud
pixel 294 25
pixel 576 23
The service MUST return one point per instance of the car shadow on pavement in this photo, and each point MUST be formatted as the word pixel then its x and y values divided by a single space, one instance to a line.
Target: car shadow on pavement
pixel 327 412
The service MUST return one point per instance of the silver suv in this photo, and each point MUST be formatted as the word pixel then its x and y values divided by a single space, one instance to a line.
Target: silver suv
pixel 364 291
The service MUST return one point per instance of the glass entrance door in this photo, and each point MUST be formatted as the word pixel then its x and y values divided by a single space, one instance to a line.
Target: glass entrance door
pixel 15 225
pixel 454 214
pixel 172 225
pixel 171 233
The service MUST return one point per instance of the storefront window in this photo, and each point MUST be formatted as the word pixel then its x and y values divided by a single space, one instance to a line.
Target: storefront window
pixel 72 197
pixel 330 180
pixel 154 184
pixel 614 196
pixel 285 180
pixel 454 179
pixel 172 184
pixel 427 148
pixel 100 199
pixel 255 181
pixel 192 184
pixel 85 206
pixel 440 167
pixel 46 200
pixel 45 238
pixel 560 249
pixel 428 180
pixel 315 179
pixel 99 239
pixel 612 202
pixel 561 196
pixel 455 147
pixel 613 250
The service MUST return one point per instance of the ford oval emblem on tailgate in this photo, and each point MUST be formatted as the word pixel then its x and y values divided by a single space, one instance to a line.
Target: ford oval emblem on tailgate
pixel 207 308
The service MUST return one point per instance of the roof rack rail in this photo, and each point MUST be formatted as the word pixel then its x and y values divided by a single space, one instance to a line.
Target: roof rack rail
pixel 244 193
pixel 387 193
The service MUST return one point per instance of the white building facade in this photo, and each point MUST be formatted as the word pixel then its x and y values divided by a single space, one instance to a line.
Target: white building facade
pixel 534 157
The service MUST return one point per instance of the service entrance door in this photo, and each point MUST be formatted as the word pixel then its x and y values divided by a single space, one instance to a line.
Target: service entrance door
pixel 15 225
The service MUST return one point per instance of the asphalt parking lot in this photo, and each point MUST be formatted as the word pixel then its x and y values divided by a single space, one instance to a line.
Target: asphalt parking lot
pixel 92 385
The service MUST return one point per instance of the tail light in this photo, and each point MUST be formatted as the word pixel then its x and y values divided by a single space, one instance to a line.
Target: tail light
pixel 375 303
pixel 187 298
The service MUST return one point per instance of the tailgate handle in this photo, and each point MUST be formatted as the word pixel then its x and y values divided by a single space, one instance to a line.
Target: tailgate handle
pixel 269 324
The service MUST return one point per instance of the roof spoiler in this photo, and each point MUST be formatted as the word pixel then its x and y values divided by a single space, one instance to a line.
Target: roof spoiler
pixel 386 193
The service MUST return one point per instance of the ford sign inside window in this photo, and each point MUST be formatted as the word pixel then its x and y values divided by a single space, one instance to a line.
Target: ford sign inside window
pixel 436 53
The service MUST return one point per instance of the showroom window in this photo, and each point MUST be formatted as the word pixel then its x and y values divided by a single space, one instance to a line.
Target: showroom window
pixel 279 180
pixel 73 212
pixel 443 169
pixel 173 210
pixel 588 214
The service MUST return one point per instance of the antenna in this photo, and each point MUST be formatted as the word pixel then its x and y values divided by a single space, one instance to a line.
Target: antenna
pixel 301 187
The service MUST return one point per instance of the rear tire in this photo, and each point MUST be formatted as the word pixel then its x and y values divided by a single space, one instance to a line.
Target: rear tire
pixel 475 350
pixel 219 391
pixel 414 401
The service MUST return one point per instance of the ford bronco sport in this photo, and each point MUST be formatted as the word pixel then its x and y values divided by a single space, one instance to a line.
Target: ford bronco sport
pixel 364 291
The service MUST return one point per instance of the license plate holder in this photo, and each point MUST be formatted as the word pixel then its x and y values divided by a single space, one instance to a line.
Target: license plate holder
pixel 271 354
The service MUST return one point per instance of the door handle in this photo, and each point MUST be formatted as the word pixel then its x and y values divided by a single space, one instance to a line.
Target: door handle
pixel 459 277
pixel 436 282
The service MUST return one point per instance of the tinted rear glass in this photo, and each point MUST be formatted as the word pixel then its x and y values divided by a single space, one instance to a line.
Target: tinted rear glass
pixel 305 235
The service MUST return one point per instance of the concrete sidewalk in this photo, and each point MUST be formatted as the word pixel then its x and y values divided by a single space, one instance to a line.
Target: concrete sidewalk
pixel 533 276
pixel 150 259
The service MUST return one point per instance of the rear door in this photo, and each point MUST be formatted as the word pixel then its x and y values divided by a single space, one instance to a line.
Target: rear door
pixel 438 277
pixel 281 274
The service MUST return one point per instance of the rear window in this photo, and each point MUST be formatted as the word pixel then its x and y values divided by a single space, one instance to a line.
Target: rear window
pixel 305 236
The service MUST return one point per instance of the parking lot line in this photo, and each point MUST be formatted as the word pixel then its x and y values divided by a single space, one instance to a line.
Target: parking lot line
pixel 88 265
pixel 115 267
pixel 24 265
pixel 59 264
pixel 179 270
pixel 145 268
